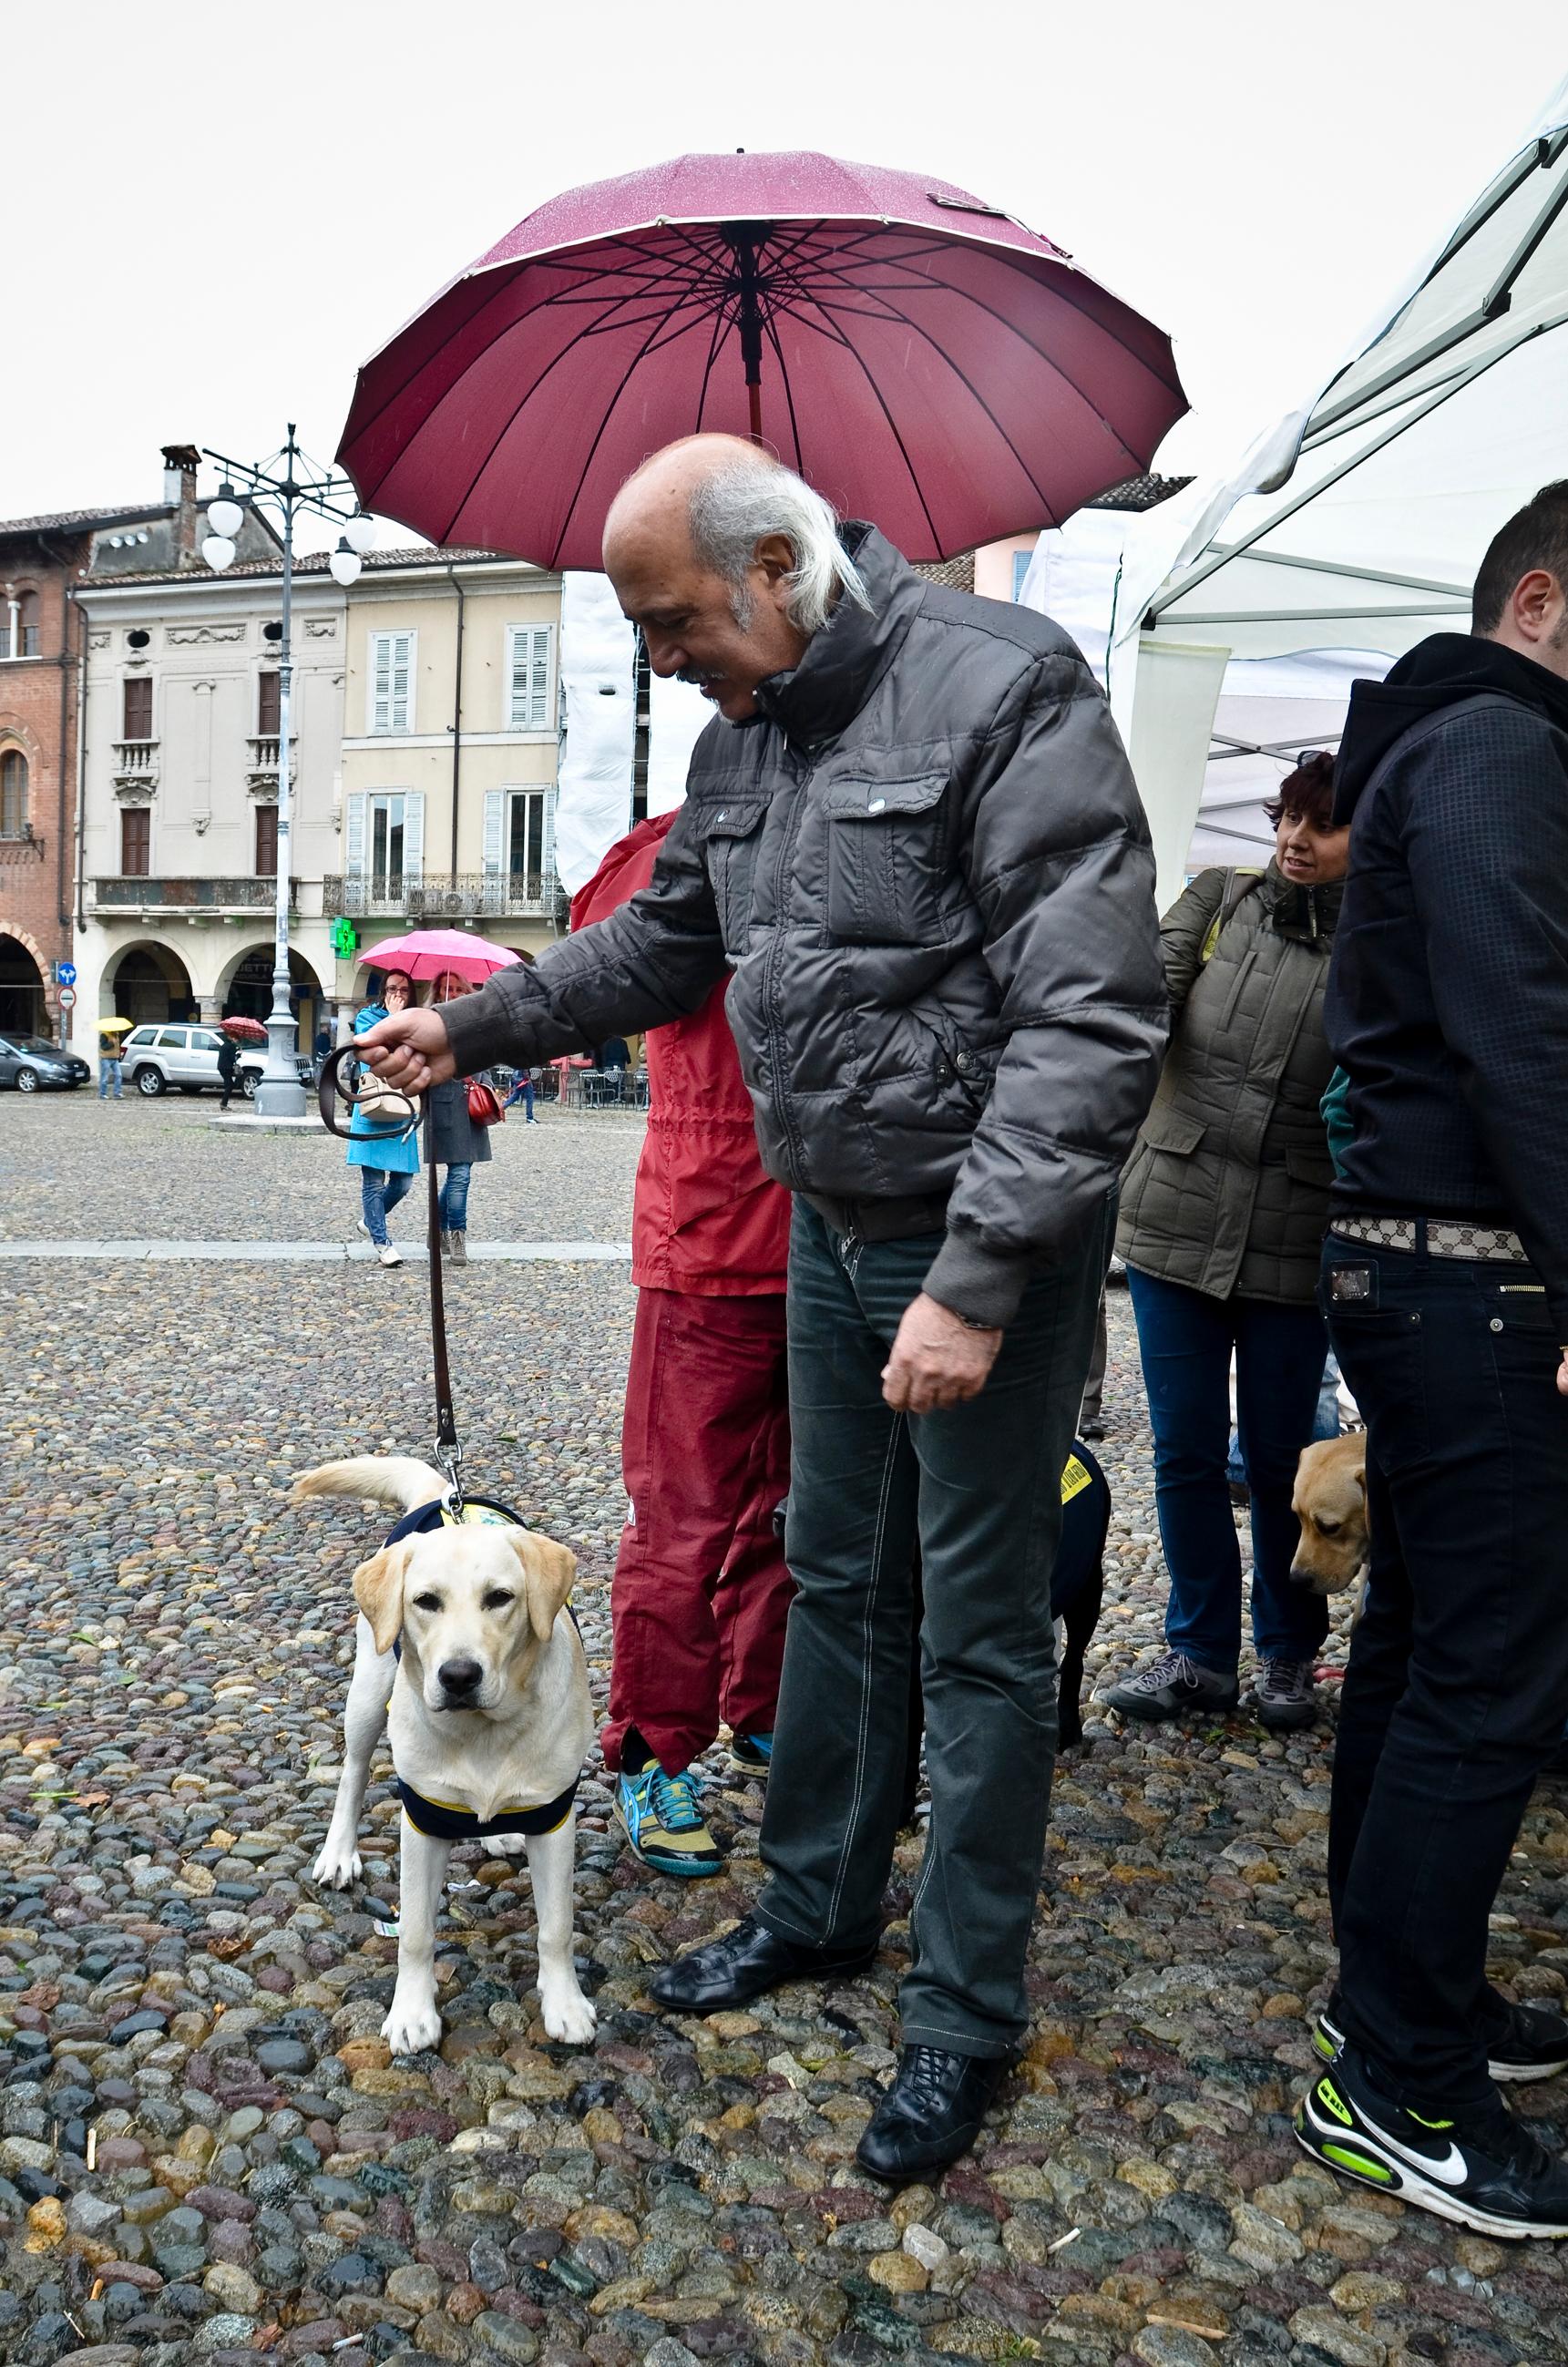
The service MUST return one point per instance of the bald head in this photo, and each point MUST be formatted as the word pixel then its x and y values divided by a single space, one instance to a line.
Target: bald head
pixel 727 562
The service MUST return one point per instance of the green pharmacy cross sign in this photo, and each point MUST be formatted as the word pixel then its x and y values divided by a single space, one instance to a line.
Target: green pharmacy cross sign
pixel 345 939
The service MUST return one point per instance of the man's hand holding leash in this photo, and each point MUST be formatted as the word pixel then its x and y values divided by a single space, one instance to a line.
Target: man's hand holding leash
pixel 409 1050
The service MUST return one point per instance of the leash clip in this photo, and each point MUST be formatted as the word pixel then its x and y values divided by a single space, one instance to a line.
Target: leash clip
pixel 450 1456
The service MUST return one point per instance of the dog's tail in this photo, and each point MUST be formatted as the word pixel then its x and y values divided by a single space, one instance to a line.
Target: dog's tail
pixel 397 1479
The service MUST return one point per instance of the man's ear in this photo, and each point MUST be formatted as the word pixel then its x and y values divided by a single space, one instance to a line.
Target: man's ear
pixel 377 1589
pixel 550 1572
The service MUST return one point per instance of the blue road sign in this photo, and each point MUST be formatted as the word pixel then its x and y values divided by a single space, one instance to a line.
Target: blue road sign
pixel 66 973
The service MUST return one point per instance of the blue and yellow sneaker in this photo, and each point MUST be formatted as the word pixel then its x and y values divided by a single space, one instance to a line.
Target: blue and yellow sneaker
pixel 1525 2043
pixel 752 1753
pixel 1482 2168
pixel 662 1823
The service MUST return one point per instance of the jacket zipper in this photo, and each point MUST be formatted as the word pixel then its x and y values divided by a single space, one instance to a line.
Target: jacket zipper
pixel 770 993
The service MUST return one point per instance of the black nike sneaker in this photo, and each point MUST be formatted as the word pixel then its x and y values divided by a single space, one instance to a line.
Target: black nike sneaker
pixel 1482 2168
pixel 1529 2042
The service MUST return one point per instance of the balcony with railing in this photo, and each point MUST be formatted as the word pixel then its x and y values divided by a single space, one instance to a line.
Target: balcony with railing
pixel 261 759
pixel 132 893
pixel 468 896
pixel 135 764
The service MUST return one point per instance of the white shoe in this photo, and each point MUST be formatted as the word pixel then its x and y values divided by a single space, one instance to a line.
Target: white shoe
pixel 364 1228
pixel 392 1255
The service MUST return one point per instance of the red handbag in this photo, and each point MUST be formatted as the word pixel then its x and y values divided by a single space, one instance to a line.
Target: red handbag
pixel 483 1105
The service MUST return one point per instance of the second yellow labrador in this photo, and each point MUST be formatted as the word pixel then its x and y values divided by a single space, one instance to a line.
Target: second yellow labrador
pixel 466 1652
pixel 1330 1502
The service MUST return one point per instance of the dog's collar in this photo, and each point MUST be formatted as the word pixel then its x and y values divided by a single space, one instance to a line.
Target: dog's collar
pixel 478 1511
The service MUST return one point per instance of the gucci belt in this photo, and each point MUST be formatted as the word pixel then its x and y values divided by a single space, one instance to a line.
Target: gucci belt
pixel 1491 1244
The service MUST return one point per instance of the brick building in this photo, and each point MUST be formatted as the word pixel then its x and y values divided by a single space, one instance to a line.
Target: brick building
pixel 43 562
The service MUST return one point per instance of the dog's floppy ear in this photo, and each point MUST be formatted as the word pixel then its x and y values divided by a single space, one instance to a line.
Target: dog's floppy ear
pixel 377 1589
pixel 550 1572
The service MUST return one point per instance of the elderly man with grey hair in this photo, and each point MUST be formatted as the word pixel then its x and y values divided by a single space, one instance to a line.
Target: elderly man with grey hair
pixel 911 834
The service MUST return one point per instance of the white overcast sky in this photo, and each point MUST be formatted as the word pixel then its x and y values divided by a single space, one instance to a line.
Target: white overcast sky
pixel 216 211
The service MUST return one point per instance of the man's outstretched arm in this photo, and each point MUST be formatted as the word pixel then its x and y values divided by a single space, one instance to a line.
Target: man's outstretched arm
pixel 656 959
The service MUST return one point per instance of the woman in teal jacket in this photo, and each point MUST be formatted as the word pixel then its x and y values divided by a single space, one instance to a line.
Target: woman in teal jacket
pixel 388 1159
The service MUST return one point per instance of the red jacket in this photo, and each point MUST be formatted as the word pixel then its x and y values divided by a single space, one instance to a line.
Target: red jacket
pixel 705 1217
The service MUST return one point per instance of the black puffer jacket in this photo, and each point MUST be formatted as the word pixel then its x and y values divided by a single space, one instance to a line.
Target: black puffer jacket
pixel 1448 999
pixel 927 864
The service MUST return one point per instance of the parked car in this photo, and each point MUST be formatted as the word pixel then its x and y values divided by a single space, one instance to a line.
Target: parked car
pixel 185 1057
pixel 29 1061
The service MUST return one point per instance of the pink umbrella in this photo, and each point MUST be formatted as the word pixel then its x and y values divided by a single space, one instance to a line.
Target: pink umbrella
pixel 428 953
pixel 925 361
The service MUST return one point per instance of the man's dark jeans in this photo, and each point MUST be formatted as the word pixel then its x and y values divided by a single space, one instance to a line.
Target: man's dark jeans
pixel 1185 1339
pixel 1457 1684
pixel 978 1487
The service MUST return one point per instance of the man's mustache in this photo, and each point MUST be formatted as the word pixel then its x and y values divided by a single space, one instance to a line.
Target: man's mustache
pixel 700 677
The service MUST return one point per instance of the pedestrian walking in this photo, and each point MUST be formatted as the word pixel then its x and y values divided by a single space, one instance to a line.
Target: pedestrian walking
pixel 1223 1213
pixel 701 1593
pixel 523 1090
pixel 1445 1275
pixel 911 833
pixel 386 1153
pixel 109 1069
pixel 228 1065
pixel 452 1138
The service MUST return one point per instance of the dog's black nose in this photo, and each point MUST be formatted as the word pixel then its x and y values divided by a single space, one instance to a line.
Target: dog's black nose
pixel 459 1676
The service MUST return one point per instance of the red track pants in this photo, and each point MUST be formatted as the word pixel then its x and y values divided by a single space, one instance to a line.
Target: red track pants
pixel 701 1593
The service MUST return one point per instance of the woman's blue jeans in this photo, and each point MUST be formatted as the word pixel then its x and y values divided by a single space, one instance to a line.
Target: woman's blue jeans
pixel 1184 1341
pixel 454 1197
pixel 379 1193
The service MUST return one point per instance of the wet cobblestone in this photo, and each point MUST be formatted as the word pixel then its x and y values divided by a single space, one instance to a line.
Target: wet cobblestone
pixel 181 2007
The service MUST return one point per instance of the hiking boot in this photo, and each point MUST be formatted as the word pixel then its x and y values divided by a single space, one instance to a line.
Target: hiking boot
pixel 1523 2043
pixel 1284 1694
pixel 1171 1686
pixel 662 1823
pixel 446 1243
pixel 752 1753
pixel 1478 2166
pixel 456 1249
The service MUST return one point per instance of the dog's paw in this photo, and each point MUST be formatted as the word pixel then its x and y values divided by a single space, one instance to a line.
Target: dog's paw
pixel 568 2015
pixel 412 2026
pixel 338 1864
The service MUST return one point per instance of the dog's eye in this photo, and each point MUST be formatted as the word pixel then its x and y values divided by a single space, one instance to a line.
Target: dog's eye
pixel 427 1603
pixel 1330 1528
pixel 497 1599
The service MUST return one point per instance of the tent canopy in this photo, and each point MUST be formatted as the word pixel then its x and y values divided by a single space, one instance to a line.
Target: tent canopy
pixel 1355 527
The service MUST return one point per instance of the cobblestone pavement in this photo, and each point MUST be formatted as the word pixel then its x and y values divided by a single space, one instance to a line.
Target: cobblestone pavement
pixel 181 2008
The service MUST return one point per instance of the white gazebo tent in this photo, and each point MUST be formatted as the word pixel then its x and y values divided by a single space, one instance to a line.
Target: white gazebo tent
pixel 1355 527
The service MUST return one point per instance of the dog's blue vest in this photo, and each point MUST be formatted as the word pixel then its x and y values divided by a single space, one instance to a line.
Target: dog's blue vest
pixel 443 1820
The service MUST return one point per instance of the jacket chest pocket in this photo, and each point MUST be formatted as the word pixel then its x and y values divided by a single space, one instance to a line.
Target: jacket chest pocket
pixel 884 861
pixel 732 840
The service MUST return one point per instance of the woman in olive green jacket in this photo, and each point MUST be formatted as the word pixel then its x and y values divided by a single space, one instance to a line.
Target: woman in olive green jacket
pixel 1223 1212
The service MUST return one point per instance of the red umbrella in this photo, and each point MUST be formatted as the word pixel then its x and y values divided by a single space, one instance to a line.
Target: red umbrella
pixel 428 953
pixel 925 361
pixel 243 1030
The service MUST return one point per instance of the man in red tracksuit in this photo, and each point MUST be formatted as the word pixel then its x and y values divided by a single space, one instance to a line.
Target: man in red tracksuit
pixel 701 1593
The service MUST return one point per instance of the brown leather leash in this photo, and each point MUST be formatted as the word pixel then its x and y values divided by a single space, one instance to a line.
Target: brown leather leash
pixel 333 1096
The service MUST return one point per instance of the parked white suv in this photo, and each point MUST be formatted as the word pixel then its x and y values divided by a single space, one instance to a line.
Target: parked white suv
pixel 186 1057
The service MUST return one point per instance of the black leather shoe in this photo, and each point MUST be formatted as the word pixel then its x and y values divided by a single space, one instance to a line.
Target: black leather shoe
pixel 743 1963
pixel 931 2113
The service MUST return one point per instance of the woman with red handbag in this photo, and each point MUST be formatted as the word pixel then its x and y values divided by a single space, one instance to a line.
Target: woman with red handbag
pixel 458 1116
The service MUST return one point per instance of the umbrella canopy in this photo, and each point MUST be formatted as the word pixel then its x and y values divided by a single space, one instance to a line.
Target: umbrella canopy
pixel 116 1027
pixel 923 359
pixel 243 1030
pixel 428 953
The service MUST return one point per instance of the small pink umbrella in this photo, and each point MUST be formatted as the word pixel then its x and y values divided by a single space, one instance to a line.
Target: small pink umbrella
pixel 923 359
pixel 428 953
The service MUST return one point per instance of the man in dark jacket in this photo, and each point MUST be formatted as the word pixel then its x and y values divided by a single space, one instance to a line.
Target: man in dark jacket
pixel 1446 1285
pixel 913 835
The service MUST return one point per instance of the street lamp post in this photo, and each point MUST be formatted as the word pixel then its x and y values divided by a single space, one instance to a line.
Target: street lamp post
pixel 299 486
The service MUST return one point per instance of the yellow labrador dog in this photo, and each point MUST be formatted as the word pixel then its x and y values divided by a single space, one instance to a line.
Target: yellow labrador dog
pixel 466 1652
pixel 1330 1502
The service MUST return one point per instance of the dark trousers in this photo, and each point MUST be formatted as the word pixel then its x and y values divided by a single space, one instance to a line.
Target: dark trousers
pixel 701 1593
pixel 1457 1684
pixel 977 1488
pixel 1185 1339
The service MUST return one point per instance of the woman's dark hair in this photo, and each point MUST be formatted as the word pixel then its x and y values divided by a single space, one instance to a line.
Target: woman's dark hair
pixel 1308 791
